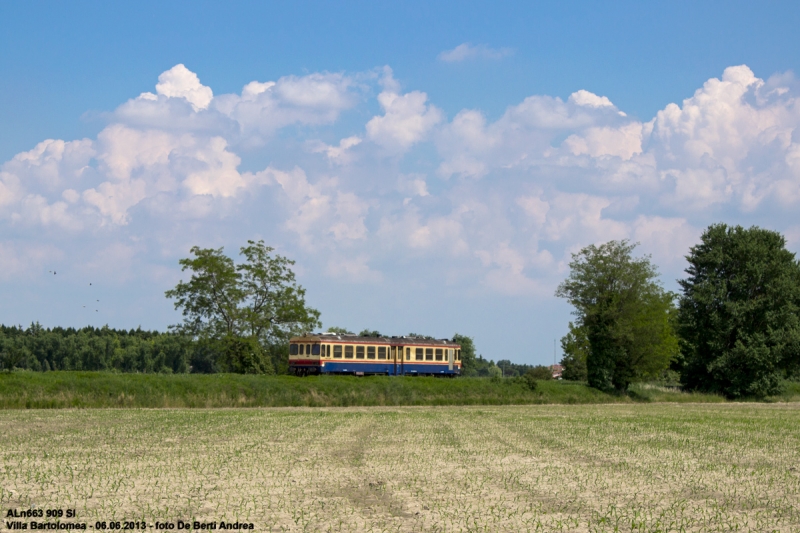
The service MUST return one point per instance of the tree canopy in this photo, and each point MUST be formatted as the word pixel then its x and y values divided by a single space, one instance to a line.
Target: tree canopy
pixel 624 311
pixel 738 313
pixel 242 309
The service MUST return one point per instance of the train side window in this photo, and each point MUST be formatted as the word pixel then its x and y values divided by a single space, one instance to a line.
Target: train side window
pixel 348 352
pixel 292 349
pixel 337 352
pixel 408 354
pixel 429 354
pixel 315 349
pixel 438 354
pixel 370 352
pixel 328 350
pixel 381 352
pixel 359 352
pixel 302 349
pixel 458 355
pixel 418 355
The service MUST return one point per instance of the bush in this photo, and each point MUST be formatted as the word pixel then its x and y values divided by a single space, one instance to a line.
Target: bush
pixel 243 356
pixel 540 372
pixel 530 380
pixel 536 374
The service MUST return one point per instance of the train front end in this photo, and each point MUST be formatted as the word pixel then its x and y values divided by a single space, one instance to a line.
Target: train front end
pixel 304 356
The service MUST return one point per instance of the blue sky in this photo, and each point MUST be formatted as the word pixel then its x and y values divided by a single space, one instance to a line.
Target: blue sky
pixel 430 167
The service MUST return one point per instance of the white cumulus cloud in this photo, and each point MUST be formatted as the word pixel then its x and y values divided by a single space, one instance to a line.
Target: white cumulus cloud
pixel 495 204
pixel 180 82
pixel 407 118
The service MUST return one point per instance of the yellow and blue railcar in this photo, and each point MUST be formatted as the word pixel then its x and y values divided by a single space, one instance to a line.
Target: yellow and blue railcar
pixel 329 353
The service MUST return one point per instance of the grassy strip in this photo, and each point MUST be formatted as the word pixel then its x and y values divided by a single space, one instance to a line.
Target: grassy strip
pixel 26 390
pixel 791 392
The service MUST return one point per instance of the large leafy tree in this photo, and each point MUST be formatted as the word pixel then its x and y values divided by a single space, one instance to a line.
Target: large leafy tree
pixel 623 312
pixel 575 346
pixel 738 314
pixel 241 308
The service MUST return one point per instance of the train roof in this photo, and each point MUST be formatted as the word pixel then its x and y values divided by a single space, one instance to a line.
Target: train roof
pixel 405 339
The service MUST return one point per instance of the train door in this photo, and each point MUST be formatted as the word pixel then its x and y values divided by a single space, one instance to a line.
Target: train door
pixel 394 358
pixel 398 360
pixel 450 355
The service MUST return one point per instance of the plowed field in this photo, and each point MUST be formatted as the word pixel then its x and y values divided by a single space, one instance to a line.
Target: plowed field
pixel 659 467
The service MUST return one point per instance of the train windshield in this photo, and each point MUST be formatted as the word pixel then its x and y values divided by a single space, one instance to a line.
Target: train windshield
pixel 292 349
pixel 315 349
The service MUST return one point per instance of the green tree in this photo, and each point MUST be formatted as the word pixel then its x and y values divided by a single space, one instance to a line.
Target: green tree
pixel 738 314
pixel 540 373
pixel 513 369
pixel 495 371
pixel 211 298
pixel 468 364
pixel 370 333
pixel 508 368
pixel 575 345
pixel 625 312
pixel 257 301
pixel 340 331
pixel 12 356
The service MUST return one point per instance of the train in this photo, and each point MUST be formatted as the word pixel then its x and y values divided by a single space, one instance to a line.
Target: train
pixel 334 353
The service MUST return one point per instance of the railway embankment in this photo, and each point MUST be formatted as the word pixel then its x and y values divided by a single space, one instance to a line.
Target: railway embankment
pixel 43 390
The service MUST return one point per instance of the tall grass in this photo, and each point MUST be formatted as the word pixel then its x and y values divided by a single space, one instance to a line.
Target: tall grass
pixel 21 390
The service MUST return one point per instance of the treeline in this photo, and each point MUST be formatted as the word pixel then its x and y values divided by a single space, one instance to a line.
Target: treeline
pixel 42 349
pixel 136 350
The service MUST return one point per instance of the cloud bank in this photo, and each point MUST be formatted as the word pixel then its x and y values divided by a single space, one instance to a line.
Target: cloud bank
pixel 407 196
